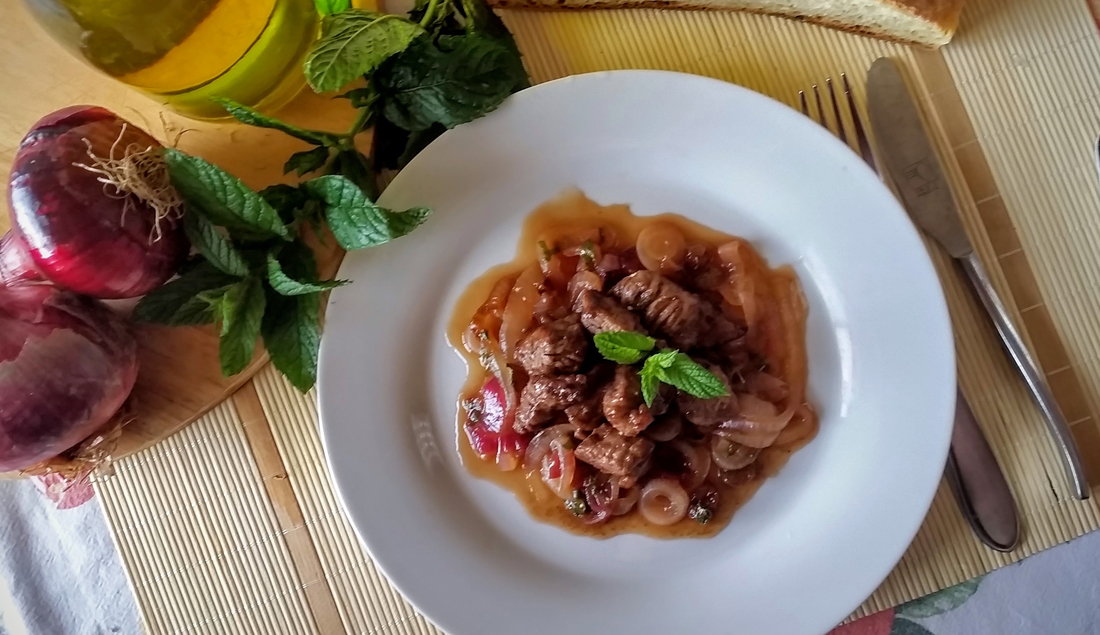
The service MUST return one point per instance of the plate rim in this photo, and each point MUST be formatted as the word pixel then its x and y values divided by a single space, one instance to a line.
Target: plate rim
pixel 939 313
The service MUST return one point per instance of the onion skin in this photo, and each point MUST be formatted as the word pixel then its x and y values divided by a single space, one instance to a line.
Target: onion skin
pixel 67 364
pixel 74 227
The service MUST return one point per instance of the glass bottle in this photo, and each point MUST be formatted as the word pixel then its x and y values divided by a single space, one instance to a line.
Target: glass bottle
pixel 187 52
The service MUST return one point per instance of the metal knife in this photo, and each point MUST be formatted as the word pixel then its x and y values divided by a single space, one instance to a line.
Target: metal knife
pixel 919 175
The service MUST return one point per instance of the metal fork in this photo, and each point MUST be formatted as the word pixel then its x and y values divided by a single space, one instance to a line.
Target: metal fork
pixel 972 471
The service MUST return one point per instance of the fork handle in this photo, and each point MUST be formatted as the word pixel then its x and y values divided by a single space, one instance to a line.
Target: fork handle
pixel 1033 376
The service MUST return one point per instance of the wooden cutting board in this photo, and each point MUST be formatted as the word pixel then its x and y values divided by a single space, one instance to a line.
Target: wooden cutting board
pixel 180 378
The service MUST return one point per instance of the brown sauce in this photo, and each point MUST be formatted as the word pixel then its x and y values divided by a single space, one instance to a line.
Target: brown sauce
pixel 568 215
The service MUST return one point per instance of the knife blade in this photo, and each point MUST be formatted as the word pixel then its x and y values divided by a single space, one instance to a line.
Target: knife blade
pixel 922 184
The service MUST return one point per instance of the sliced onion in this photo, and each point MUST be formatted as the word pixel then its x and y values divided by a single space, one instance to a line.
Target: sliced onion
pixel 734 478
pixel 628 497
pixel 559 467
pixel 581 282
pixel 802 426
pixel 540 444
pixel 768 387
pixel 519 311
pixel 661 248
pixel 730 455
pixel 666 428
pixel 757 424
pixel 696 463
pixel 663 501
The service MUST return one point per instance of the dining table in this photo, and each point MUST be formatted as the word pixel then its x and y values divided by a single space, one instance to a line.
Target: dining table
pixel 231 524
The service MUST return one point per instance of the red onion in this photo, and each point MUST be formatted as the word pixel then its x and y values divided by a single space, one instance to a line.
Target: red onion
pixel 67 364
pixel 92 208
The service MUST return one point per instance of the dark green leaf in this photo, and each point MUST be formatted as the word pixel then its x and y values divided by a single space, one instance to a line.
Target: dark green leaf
pixel 394 147
pixel 187 300
pixel 941 601
pixel 329 7
pixel 442 11
pixel 285 285
pixel 292 336
pixel 291 326
pixel 354 220
pixel 216 248
pixel 306 161
pixel 286 199
pixel 222 197
pixel 242 310
pixel 246 115
pixel 623 347
pixel 903 626
pixel 364 97
pixel 461 79
pixel 355 43
pixel 352 165
pixel 649 386
pixel 691 377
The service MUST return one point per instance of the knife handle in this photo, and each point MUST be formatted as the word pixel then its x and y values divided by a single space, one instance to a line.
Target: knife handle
pixel 979 484
pixel 1040 391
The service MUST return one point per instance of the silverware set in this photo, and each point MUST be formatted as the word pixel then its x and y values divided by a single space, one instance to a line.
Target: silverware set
pixel 906 159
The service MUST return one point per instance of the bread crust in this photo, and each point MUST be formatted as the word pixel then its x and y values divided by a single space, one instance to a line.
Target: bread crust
pixel 943 13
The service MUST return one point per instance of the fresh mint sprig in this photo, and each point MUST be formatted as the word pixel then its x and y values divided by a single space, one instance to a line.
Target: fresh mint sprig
pixel 449 62
pixel 668 366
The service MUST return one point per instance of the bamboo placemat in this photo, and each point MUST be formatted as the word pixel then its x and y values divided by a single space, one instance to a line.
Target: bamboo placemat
pixel 232 526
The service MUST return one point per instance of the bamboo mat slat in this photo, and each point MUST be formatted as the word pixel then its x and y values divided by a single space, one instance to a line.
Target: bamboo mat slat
pixel 232 525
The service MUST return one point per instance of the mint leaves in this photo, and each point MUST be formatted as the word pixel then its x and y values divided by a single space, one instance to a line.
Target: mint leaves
pixel 667 366
pixel 624 347
pixel 355 43
pixel 450 62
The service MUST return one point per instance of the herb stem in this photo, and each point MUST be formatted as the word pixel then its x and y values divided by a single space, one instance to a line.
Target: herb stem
pixel 361 121
pixel 429 13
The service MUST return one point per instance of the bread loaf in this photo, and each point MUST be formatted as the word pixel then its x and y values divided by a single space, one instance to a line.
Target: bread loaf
pixel 927 22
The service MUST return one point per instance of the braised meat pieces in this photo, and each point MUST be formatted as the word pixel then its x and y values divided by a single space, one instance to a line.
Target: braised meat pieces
pixel 557 347
pixel 612 453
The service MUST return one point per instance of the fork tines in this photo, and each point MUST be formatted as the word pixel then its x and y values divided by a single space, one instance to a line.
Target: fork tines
pixel 859 132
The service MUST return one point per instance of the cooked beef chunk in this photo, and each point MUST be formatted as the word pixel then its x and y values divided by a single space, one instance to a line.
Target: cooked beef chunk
pixel 610 452
pixel 666 307
pixel 717 329
pixel 600 313
pixel 623 405
pixel 708 412
pixel 556 347
pixel 588 414
pixel 546 395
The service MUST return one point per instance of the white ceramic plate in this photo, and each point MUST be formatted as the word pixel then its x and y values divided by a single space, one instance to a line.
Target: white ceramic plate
pixel 815 540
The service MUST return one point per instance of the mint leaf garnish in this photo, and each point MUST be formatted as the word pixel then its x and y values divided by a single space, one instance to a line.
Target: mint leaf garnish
pixel 355 43
pixel 693 378
pixel 650 384
pixel 355 221
pixel 623 347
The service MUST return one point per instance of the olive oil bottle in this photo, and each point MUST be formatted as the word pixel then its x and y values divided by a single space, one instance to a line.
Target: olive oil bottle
pixel 187 52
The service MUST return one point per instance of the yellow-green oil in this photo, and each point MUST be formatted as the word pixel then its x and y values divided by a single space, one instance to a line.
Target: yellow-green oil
pixel 188 52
